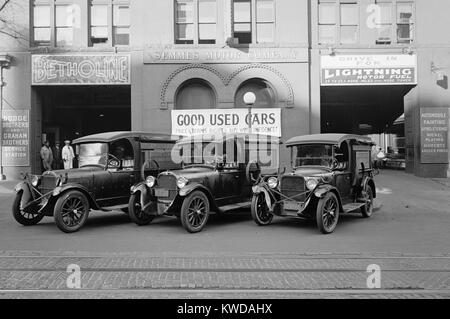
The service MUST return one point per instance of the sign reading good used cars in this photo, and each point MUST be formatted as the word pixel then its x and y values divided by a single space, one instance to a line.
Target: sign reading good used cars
pixel 15 138
pixel 81 69
pixel 226 121
pixel 386 69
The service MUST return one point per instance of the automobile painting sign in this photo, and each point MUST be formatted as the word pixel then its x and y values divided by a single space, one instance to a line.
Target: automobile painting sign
pixel 387 69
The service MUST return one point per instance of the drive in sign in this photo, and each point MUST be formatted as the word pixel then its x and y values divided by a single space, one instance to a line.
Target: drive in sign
pixel 393 69
pixel 226 121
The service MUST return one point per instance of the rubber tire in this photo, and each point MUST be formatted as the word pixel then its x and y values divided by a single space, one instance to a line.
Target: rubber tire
pixel 254 211
pixel 18 215
pixel 58 209
pixel 365 213
pixel 184 212
pixel 132 212
pixel 319 213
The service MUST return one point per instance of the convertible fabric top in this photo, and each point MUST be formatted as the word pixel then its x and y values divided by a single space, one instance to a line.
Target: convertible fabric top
pixel 336 139
pixel 112 136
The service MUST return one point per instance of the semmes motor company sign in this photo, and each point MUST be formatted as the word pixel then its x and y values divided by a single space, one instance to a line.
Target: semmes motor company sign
pixel 110 69
pixel 387 69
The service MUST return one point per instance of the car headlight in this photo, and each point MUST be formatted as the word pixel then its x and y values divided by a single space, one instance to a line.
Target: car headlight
pixel 150 181
pixel 272 182
pixel 311 183
pixel 34 180
pixel 182 182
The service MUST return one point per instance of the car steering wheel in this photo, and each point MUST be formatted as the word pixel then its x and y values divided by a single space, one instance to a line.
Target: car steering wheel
pixel 113 161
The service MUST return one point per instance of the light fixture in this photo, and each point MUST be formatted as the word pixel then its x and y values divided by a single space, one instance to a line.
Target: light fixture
pixel 249 98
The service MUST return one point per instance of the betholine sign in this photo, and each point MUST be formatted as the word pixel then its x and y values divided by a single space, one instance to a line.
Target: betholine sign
pixel 15 138
pixel 226 121
pixel 109 69
pixel 434 135
pixel 365 69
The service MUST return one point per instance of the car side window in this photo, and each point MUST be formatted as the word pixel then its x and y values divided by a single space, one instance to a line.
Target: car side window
pixel 342 157
pixel 122 150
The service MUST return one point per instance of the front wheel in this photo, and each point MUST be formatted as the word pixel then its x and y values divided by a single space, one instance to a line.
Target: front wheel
pixel 71 211
pixel 260 211
pixel 137 215
pixel 195 212
pixel 25 218
pixel 327 213
pixel 367 195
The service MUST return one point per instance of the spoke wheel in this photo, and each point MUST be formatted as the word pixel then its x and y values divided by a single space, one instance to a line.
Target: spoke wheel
pixel 260 211
pixel 195 212
pixel 71 211
pixel 367 209
pixel 327 214
pixel 26 218
pixel 137 215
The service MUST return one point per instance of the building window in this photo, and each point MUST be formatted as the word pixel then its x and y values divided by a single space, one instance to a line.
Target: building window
pixel 242 21
pixel 99 24
pixel 384 23
pixel 184 20
pixel 405 22
pixel 195 21
pixel 327 22
pixel 207 19
pixel 121 24
pixel 265 96
pixel 64 25
pixel 195 94
pixel 349 21
pixel 265 21
pixel 42 25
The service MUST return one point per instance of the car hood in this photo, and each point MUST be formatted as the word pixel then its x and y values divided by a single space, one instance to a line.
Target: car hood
pixel 311 171
pixel 192 173
pixel 73 174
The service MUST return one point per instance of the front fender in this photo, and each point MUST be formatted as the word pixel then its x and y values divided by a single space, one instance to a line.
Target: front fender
pixel 27 194
pixel 258 189
pixel 66 187
pixel 185 191
pixel 322 190
pixel 147 194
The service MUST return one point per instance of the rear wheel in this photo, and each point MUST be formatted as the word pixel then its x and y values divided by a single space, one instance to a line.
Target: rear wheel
pixel 137 215
pixel 260 211
pixel 71 211
pixel 26 218
pixel 327 213
pixel 195 212
pixel 367 195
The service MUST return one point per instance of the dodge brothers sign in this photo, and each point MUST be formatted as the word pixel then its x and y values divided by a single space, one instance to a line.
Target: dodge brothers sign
pixel 80 69
pixel 15 137
pixel 221 121
pixel 392 69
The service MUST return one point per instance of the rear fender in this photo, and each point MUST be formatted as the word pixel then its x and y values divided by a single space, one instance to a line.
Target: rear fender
pixel 369 182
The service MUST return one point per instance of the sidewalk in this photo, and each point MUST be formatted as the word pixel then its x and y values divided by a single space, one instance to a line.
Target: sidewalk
pixel 7 187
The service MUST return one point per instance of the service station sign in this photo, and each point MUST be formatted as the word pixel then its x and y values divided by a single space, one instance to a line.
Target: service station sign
pixel 15 138
pixel 365 69
pixel 434 135
pixel 112 69
pixel 226 121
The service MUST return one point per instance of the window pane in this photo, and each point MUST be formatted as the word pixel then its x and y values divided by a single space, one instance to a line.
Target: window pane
pixel 41 16
pixel 243 37
pixel 242 11
pixel 264 32
pixel 207 11
pixel 404 12
pixel 349 14
pixel 349 34
pixel 99 32
pixel 385 13
pixel 242 27
pixel 327 13
pixel 64 36
pixel 207 31
pixel 121 15
pixel 42 36
pixel 265 11
pixel 63 16
pixel 404 32
pixel 327 34
pixel 184 12
pixel 99 15
pixel 185 31
pixel 121 35
pixel 384 32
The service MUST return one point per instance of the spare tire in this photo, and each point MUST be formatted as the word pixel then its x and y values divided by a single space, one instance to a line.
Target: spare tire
pixel 150 165
pixel 253 172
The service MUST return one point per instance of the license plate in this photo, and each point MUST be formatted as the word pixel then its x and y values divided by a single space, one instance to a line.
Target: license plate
pixel 292 206
pixel 161 193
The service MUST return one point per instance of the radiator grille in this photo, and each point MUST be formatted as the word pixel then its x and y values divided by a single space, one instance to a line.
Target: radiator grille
pixel 48 183
pixel 292 186
pixel 168 182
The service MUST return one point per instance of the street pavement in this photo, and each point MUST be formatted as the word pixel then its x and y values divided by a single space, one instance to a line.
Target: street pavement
pixel 408 238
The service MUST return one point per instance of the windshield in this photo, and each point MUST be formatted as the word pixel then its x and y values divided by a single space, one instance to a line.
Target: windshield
pixel 199 153
pixel 93 154
pixel 312 155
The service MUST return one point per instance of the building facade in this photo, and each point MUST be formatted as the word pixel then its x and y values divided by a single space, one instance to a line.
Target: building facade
pixel 77 67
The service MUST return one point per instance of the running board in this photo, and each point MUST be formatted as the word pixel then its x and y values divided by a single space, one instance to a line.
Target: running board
pixel 117 207
pixel 235 206
pixel 352 207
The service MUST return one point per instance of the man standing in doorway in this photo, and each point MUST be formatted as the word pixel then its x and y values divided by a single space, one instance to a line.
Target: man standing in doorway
pixel 68 155
pixel 46 156
pixel 57 162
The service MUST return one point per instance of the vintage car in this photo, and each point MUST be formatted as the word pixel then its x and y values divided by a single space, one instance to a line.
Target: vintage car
pixel 217 176
pixel 109 164
pixel 331 174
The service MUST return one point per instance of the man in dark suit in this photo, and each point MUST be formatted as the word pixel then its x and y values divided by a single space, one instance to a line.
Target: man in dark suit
pixel 57 160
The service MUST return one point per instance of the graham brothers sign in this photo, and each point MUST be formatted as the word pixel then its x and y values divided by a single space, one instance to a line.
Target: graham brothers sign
pixel 110 69
pixel 226 121
pixel 365 69
pixel 434 135
pixel 15 138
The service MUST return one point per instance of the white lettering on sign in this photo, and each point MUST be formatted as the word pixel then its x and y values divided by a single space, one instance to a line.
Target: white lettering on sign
pixel 226 121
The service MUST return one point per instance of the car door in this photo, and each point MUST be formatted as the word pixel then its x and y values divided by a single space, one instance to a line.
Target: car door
pixel 343 174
